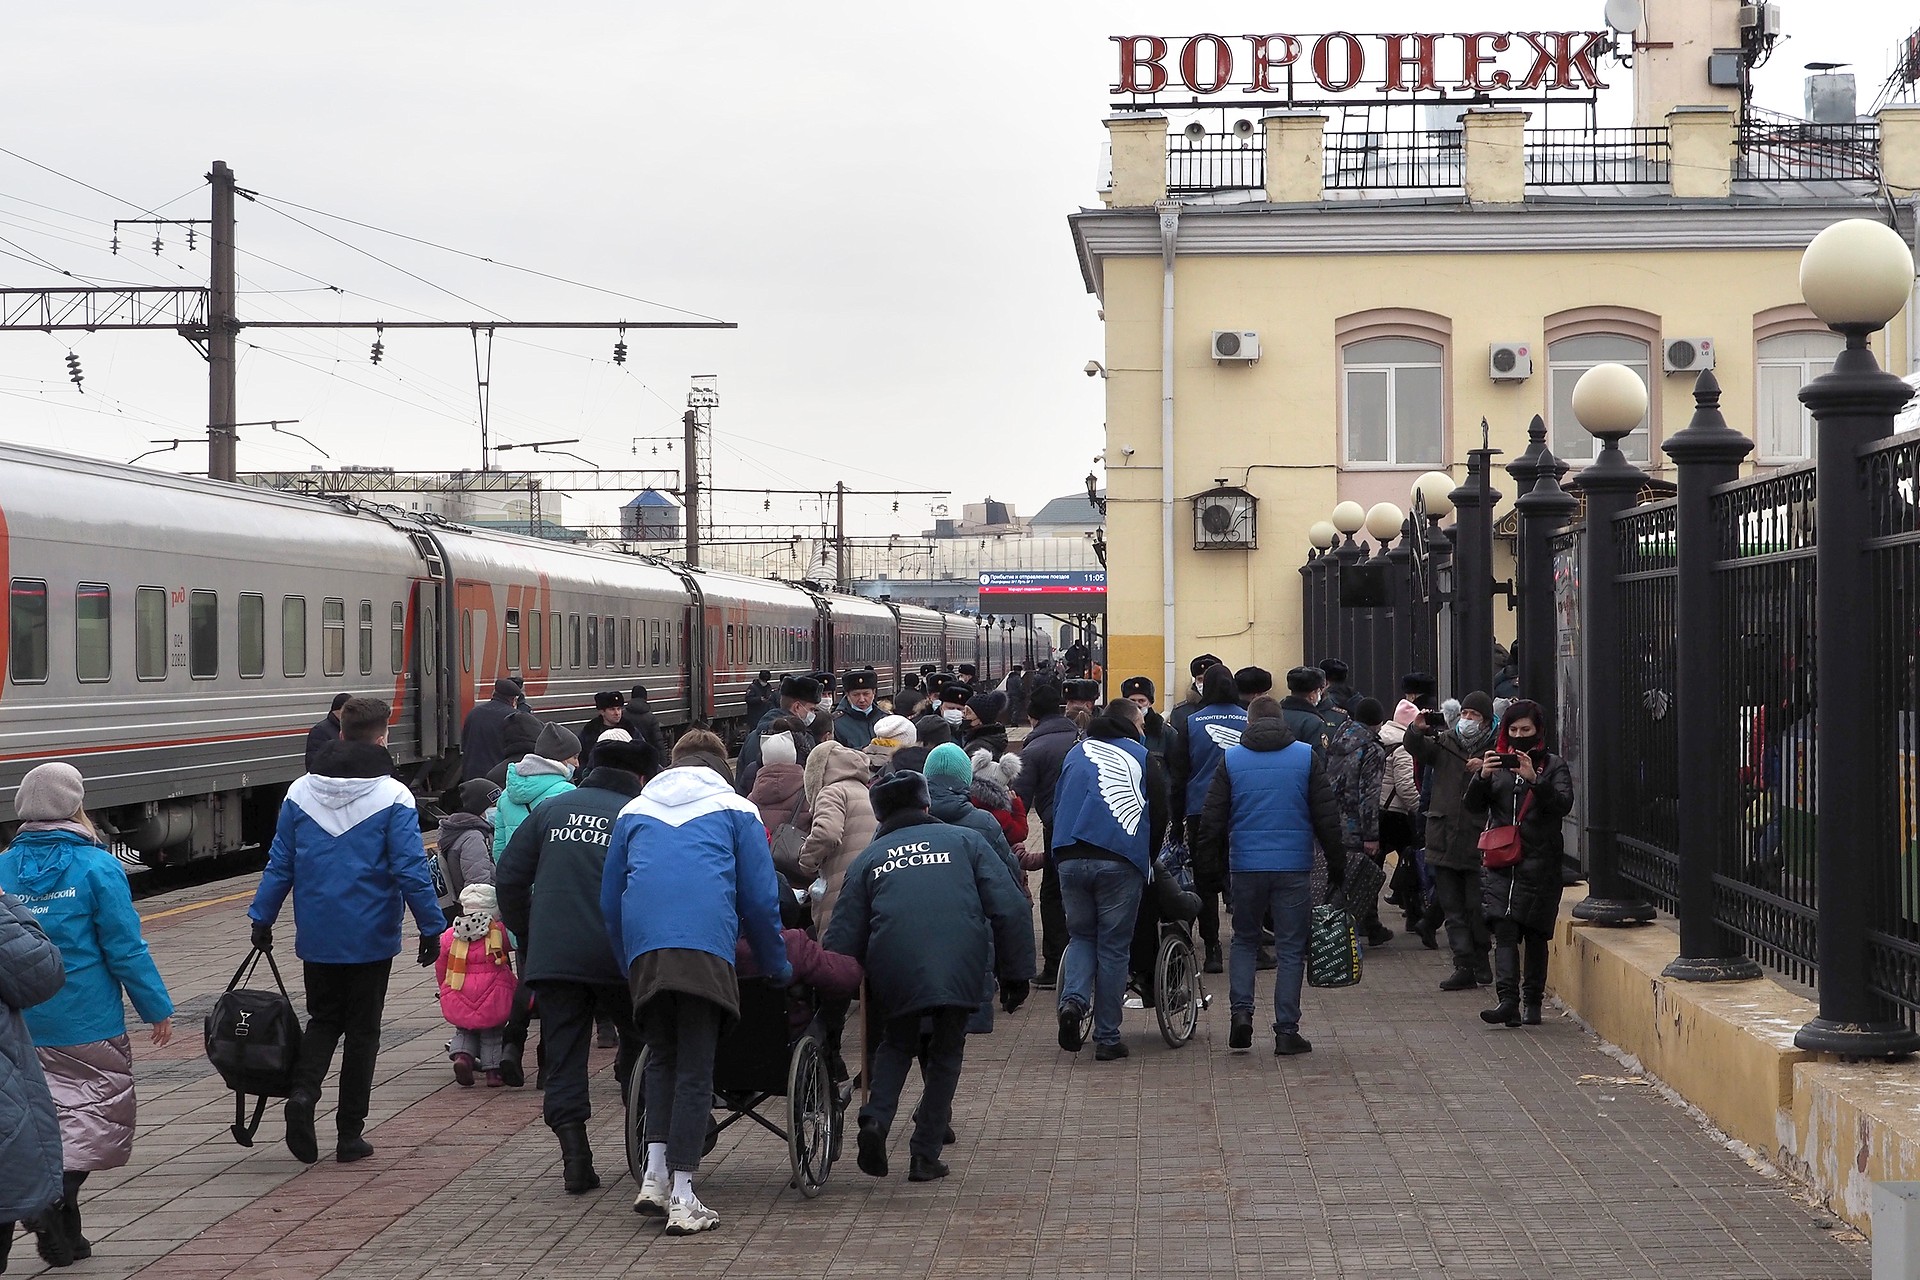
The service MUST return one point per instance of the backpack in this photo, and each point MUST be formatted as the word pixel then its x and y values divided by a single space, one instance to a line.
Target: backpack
pixel 253 1041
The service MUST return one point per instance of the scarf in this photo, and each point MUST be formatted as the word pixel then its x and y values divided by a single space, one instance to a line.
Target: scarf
pixel 467 930
pixel 65 824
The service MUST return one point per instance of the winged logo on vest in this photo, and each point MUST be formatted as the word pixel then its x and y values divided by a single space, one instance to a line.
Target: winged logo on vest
pixel 1223 735
pixel 1120 788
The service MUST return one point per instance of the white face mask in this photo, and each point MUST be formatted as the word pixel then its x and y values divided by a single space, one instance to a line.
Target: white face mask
pixel 951 715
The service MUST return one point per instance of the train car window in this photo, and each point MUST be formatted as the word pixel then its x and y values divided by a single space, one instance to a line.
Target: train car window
pixel 150 633
pixel 293 635
pixel 253 635
pixel 427 655
pixel 555 656
pixel 513 639
pixel 653 644
pixel 573 639
pixel 593 642
pixel 203 634
pixel 536 631
pixel 93 632
pixel 27 632
pixel 396 636
pixel 366 637
pixel 466 639
pixel 733 647
pixel 333 637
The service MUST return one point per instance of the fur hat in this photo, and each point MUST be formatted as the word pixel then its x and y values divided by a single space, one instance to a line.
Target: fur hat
pixel 51 792
pixel 800 689
pixel 948 763
pixel 1081 691
pixel 556 742
pixel 898 793
pixel 1301 680
pixel 894 732
pixel 968 670
pixel 854 681
pixel 478 796
pixel 1337 671
pixel 778 748
pixel 1198 667
pixel 958 694
pixel 1251 682
pixel 1136 684
pixel 609 698
pixel 1418 684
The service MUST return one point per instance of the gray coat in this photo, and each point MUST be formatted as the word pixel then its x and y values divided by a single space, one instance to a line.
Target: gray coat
pixel 30 971
pixel 1453 834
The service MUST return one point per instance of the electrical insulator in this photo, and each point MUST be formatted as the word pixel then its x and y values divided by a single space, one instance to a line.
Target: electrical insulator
pixel 189 239
pixel 896 506
pixel 619 353
pixel 766 504
pixel 157 246
pixel 73 370
pixel 379 349
pixel 116 242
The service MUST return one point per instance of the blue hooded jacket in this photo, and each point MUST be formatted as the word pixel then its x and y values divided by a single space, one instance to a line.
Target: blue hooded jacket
pixel 348 848
pixel 78 894
pixel 1102 801
pixel 690 869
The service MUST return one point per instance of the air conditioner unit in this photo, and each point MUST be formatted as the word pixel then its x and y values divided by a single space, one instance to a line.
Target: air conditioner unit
pixel 1510 362
pixel 1688 355
pixel 1236 345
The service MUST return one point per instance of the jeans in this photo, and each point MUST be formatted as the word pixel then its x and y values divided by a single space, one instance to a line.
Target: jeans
pixel 940 1066
pixel 1457 894
pixel 1288 896
pixel 343 1000
pixel 681 1033
pixel 1053 919
pixel 568 1011
pixel 1101 900
pixel 482 1046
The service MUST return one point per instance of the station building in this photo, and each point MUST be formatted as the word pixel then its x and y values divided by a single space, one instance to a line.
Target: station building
pixel 1341 307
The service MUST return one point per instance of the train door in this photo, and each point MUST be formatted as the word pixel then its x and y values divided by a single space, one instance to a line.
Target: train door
pixel 423 668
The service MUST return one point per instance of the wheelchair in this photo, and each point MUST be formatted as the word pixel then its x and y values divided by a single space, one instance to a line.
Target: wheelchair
pixel 1165 975
pixel 755 1062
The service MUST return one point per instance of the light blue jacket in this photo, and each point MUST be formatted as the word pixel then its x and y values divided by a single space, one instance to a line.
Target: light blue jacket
pixel 690 869
pixel 78 894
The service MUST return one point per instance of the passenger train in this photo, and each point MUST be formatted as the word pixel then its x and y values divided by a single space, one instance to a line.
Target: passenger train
pixel 175 638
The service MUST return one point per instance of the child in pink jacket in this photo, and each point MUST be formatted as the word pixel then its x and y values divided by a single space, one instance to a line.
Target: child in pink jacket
pixel 475 970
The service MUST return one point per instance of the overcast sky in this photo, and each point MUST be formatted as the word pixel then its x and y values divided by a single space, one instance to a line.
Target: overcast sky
pixel 876 193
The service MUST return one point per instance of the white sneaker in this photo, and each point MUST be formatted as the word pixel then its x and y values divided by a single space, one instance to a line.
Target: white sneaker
pixel 690 1217
pixel 652 1199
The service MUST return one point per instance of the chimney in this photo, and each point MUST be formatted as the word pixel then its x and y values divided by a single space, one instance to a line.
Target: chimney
pixel 1830 98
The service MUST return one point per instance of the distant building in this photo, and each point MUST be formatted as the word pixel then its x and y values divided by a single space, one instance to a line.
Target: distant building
pixel 512 501
pixel 652 516
pixel 1073 516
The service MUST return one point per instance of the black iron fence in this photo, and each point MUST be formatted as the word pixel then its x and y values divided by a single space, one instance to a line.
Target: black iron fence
pixel 1893 941
pixel 1586 157
pixel 1380 614
pixel 1777 149
pixel 1389 160
pixel 1215 162
pixel 1644 547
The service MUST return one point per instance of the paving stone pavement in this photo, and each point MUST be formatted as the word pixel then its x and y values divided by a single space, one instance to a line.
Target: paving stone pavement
pixel 1413 1142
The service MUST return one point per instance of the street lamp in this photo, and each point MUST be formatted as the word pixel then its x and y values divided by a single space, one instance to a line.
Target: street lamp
pixel 1384 521
pixel 1855 275
pixel 1610 401
pixel 1348 517
pixel 1431 491
pixel 1322 534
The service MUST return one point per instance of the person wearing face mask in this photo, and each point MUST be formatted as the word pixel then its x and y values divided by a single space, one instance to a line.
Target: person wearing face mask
pixel 953 707
pixel 1452 834
pixel 853 727
pixel 800 698
pixel 1520 783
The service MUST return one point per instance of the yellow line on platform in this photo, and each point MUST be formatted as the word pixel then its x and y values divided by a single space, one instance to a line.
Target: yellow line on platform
pixel 195 906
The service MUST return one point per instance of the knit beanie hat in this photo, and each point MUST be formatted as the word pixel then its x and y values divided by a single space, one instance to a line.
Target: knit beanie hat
pixel 1479 701
pixel 479 908
pixel 778 748
pixel 556 742
pixel 1406 713
pixel 1368 711
pixel 613 735
pixel 478 796
pixel 990 707
pixel 949 764
pixel 897 793
pixel 893 732
pixel 51 792
pixel 480 897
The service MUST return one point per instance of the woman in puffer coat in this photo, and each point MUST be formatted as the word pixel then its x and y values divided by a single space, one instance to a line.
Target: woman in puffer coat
pixel 843 820
pixel 1522 901
pixel 59 870
pixel 993 793
pixel 30 1192
pixel 779 785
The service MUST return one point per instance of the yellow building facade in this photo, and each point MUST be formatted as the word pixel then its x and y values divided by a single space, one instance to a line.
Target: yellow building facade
pixel 1380 312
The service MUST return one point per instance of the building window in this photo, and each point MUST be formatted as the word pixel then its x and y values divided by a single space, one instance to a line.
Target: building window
pixel 93 632
pixel 1395 402
pixel 203 635
pixel 27 632
pixel 397 637
pixel 150 633
pixel 253 636
pixel 1782 365
pixel 293 635
pixel 333 637
pixel 1567 359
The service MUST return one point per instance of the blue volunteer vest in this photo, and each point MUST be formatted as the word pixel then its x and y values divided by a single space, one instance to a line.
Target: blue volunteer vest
pixel 1210 731
pixel 1100 801
pixel 1272 826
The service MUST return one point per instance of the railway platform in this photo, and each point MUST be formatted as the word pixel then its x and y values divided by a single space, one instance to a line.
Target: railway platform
pixel 1413 1142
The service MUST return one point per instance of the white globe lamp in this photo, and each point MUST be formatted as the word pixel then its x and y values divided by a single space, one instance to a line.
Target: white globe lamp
pixel 1322 534
pixel 1348 518
pixel 1610 401
pixel 1384 522
pixel 1434 490
pixel 1856 275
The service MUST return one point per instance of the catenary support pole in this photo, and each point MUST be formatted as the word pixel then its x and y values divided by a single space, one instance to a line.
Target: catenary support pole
pixel 222 330
pixel 690 425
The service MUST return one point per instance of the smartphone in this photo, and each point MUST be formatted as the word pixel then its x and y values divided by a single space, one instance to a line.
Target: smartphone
pixel 1433 719
pixel 1509 759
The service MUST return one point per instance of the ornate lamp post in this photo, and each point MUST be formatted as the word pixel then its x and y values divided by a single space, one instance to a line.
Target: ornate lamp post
pixel 1432 552
pixel 1473 575
pixel 1543 507
pixel 1348 518
pixel 1855 275
pixel 1318 634
pixel 1610 401
pixel 1392 644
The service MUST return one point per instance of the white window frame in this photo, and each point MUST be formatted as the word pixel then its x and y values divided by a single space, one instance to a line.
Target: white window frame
pixel 1573 430
pixel 1807 366
pixel 1388 368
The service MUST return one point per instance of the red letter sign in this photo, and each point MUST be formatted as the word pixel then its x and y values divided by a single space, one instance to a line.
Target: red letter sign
pixel 1190 63
pixel 1399 62
pixel 1356 62
pixel 1474 57
pixel 1131 62
pixel 1265 63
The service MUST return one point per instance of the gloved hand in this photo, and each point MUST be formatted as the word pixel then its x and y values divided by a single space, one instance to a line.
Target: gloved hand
pixel 1014 994
pixel 262 936
pixel 1336 872
pixel 783 978
pixel 429 950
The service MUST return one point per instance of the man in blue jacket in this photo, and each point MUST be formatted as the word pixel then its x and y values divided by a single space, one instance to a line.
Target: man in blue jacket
pixel 1198 738
pixel 1111 814
pixel 1041 756
pixel 348 848
pixel 1269 802
pixel 918 909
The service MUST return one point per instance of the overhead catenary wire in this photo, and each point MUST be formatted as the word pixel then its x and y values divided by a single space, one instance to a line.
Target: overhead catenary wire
pixel 347 244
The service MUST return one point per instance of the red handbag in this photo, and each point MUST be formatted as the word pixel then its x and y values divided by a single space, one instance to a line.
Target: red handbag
pixel 1500 846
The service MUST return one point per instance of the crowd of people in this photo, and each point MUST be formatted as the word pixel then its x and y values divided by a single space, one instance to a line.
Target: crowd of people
pixel 859 851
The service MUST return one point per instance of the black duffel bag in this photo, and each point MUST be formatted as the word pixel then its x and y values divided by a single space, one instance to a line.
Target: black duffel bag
pixel 253 1041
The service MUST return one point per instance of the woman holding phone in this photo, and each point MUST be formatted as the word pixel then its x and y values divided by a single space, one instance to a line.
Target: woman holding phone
pixel 1520 785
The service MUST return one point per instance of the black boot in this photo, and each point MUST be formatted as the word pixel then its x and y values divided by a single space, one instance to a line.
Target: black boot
pixel 576 1159
pixel 1506 985
pixel 51 1239
pixel 70 1215
pixel 1461 979
pixel 1530 1012
pixel 1482 970
pixel 1213 961
pixel 6 1245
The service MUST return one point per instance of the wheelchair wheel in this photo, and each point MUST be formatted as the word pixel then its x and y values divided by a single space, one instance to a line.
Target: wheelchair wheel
pixel 1176 990
pixel 637 1120
pixel 812 1115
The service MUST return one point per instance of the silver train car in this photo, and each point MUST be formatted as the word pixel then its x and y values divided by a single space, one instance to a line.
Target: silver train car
pixel 175 638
